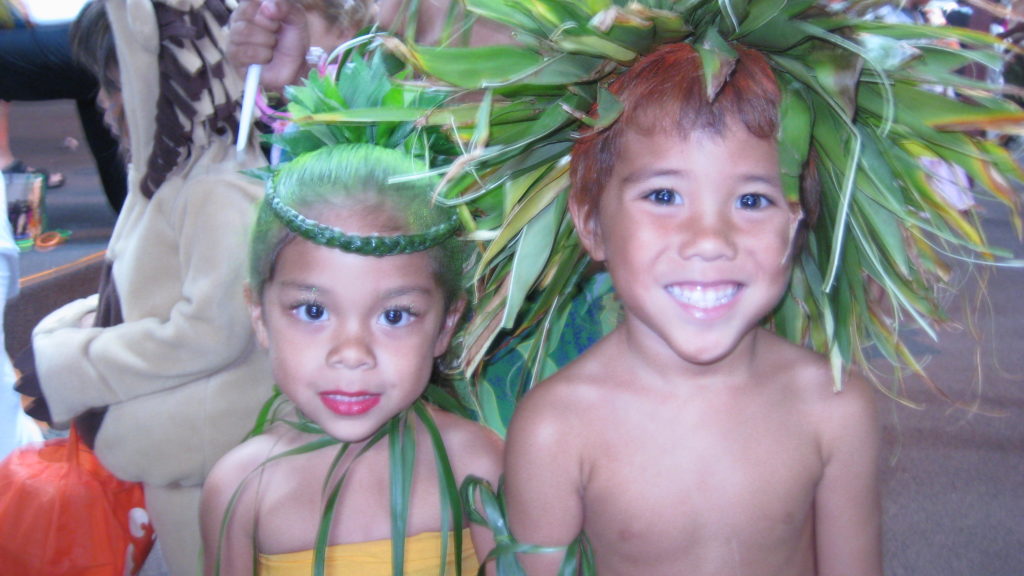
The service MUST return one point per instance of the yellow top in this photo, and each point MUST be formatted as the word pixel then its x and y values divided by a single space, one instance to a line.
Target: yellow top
pixel 422 557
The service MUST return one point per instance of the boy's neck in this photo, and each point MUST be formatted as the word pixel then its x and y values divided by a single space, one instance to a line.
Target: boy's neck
pixel 659 363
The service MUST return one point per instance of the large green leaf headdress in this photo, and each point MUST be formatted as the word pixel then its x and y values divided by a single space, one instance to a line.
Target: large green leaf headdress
pixel 858 95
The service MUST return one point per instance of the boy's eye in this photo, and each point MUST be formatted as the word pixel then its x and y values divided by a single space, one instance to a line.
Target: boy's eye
pixel 662 196
pixel 311 312
pixel 753 201
pixel 396 317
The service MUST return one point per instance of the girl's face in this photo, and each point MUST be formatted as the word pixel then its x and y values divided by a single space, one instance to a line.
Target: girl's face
pixel 352 339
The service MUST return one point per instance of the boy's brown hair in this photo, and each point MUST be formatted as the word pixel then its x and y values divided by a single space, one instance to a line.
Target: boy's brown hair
pixel 665 92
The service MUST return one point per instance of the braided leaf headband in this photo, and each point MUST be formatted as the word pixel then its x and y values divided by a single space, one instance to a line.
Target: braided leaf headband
pixel 372 245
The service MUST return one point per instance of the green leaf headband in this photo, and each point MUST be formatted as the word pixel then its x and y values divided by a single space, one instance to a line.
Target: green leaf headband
pixel 372 245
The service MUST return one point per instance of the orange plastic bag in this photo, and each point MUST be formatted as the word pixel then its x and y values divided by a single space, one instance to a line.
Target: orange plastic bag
pixel 63 513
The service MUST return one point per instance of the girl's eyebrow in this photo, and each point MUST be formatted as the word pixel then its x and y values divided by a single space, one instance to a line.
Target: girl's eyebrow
pixel 408 291
pixel 301 287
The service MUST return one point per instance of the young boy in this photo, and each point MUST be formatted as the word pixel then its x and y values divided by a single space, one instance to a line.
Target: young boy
pixel 691 440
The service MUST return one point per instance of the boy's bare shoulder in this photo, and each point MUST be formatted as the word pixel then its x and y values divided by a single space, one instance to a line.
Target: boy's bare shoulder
pixel 806 376
pixel 563 405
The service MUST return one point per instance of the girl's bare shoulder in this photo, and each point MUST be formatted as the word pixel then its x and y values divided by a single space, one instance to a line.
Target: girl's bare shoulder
pixel 472 447
pixel 253 453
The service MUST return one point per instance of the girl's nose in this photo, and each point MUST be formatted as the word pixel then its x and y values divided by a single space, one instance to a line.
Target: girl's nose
pixel 352 348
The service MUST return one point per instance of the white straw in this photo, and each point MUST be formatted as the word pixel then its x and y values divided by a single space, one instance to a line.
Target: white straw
pixel 252 84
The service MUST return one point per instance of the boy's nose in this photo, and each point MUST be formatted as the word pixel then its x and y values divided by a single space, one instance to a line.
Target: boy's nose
pixel 351 348
pixel 708 237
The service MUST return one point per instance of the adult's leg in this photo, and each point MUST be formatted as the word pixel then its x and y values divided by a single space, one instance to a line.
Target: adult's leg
pixel 36 64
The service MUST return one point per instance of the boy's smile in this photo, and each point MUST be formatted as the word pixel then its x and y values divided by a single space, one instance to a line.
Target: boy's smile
pixel 704 299
pixel 696 233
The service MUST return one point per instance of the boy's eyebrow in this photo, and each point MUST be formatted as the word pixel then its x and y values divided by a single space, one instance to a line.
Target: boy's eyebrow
pixel 648 174
pixel 773 179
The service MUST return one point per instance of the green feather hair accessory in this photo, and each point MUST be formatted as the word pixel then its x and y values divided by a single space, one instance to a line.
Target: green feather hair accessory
pixel 392 185
pixel 354 173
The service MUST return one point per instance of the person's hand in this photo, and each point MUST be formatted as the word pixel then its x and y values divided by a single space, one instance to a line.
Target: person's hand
pixel 273 33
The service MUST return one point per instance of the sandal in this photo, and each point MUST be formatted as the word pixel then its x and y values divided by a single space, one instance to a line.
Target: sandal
pixel 53 180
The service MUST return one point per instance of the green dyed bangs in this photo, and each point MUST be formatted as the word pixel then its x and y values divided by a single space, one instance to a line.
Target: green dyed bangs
pixel 386 184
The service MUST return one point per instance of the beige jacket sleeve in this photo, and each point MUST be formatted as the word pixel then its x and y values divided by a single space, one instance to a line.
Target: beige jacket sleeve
pixel 180 277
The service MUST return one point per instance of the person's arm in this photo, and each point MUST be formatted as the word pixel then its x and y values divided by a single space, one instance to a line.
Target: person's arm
pixel 543 480
pixel 274 34
pixel 486 450
pixel 205 332
pixel 228 534
pixel 848 529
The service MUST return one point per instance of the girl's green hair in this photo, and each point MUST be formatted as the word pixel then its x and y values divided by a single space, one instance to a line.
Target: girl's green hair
pixel 356 176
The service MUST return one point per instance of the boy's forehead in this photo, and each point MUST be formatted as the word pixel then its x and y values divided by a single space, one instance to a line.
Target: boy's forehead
pixel 734 153
pixel 646 142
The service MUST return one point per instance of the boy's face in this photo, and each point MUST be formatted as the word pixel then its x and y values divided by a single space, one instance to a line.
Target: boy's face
pixel 696 233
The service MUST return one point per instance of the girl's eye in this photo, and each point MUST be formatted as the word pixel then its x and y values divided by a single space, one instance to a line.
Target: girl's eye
pixel 311 312
pixel 396 317
pixel 663 196
pixel 753 201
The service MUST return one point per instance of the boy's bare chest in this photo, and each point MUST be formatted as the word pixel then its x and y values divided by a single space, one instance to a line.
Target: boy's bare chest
pixel 698 490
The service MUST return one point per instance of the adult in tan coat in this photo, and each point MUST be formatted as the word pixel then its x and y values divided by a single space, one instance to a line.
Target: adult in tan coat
pixel 169 365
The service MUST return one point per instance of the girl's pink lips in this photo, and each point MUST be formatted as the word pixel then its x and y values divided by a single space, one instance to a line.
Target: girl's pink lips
pixel 349 403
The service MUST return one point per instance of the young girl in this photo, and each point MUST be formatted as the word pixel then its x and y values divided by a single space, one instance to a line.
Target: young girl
pixel 355 291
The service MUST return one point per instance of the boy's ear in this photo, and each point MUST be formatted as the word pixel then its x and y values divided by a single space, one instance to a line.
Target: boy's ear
pixel 588 229
pixel 256 316
pixel 796 217
pixel 451 322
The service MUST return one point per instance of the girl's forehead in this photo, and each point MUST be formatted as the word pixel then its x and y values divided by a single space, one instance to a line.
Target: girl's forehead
pixel 303 262
pixel 364 216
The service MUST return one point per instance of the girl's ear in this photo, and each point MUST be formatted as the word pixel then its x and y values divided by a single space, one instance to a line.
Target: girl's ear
pixel 256 316
pixel 451 322
pixel 588 228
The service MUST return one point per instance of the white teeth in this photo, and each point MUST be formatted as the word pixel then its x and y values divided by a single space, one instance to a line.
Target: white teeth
pixel 347 398
pixel 703 296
